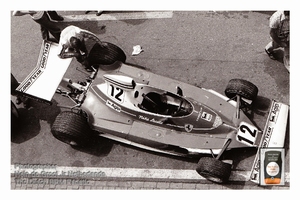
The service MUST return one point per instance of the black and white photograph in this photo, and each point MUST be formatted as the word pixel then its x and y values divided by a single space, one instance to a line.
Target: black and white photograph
pixel 150 99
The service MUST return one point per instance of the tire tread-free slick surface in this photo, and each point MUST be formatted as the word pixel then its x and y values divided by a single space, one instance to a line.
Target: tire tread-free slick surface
pixel 214 170
pixel 71 128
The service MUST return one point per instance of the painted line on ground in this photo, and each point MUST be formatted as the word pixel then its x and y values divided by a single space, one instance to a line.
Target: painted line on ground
pixel 119 16
pixel 53 171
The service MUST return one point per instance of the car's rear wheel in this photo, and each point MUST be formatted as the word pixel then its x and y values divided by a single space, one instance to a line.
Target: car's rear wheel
pixel 241 87
pixel 214 170
pixel 106 54
pixel 71 128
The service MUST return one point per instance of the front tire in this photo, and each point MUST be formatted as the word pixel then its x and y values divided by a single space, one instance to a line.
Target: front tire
pixel 241 87
pixel 214 170
pixel 71 128
pixel 106 55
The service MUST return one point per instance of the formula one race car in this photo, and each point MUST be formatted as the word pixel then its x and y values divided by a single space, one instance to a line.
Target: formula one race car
pixel 137 107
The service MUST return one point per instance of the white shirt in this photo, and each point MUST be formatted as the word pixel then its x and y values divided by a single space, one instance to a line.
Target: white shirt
pixel 280 22
pixel 74 31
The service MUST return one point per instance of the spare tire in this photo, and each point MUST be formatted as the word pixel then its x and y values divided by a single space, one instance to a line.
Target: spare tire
pixel 241 87
pixel 106 54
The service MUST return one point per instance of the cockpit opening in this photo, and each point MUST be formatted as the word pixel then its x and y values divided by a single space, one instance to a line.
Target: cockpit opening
pixel 165 104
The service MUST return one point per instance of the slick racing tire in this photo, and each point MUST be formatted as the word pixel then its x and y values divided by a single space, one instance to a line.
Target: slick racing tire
pixel 106 55
pixel 71 128
pixel 214 170
pixel 241 87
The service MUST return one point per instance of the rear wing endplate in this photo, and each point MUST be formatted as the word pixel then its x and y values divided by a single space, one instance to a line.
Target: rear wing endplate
pixel 44 79
pixel 273 135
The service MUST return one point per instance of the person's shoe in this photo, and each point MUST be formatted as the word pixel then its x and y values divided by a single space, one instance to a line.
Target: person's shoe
pixel 18 100
pixel 89 69
pixel 26 103
pixel 58 18
pixel 54 16
pixel 270 54
pixel 99 12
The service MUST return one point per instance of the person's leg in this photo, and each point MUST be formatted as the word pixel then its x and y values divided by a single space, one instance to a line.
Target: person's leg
pixel 286 58
pixel 55 16
pixel 272 46
pixel 48 26
pixel 14 84
pixel 269 49
pixel 45 33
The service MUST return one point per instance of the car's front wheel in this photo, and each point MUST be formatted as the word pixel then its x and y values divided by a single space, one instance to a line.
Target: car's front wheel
pixel 241 87
pixel 106 54
pixel 71 128
pixel 214 170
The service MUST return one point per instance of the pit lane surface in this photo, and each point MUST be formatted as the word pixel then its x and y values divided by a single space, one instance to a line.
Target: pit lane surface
pixel 205 49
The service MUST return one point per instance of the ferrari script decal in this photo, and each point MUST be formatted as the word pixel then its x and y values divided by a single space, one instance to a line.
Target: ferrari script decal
pixel 150 120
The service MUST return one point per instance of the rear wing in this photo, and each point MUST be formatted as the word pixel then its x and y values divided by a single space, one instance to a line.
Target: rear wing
pixel 273 135
pixel 44 79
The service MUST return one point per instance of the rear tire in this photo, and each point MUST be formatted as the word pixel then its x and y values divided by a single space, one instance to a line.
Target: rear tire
pixel 106 55
pixel 214 170
pixel 71 128
pixel 241 87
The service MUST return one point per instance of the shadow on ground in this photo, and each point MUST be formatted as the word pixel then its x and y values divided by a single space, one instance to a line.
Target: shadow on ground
pixel 28 125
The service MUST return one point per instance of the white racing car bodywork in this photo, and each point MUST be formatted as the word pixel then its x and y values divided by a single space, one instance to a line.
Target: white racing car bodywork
pixel 43 81
pixel 273 134
pixel 48 73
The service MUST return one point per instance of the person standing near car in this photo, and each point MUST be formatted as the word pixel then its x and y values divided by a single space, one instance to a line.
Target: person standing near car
pixel 47 20
pixel 280 35
pixel 72 44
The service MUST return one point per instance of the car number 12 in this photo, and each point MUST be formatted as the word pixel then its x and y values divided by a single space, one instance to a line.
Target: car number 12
pixel 116 93
pixel 247 134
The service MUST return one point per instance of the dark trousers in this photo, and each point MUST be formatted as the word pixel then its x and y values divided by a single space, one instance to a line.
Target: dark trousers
pixel 49 26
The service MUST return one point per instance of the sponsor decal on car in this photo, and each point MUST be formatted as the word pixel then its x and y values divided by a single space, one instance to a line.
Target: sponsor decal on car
pixel 150 120
pixel 35 74
pixel 206 116
pixel 274 112
pixel 113 106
